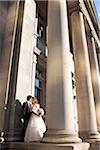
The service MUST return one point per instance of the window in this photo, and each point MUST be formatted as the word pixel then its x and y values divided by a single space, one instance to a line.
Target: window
pixel 40 28
pixel 37 89
pixel 38 84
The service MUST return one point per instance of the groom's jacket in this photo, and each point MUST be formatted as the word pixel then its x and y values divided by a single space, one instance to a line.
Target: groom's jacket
pixel 26 111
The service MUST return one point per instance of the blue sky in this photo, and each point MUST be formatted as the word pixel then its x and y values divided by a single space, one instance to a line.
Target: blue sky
pixel 97 4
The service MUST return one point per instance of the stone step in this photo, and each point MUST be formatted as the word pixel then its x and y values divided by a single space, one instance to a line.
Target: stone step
pixel 42 146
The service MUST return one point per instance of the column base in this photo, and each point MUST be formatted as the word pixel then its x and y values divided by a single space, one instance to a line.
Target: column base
pixel 90 137
pixel 11 137
pixel 43 146
pixel 59 137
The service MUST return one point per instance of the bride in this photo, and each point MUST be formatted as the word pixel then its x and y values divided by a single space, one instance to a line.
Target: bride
pixel 36 126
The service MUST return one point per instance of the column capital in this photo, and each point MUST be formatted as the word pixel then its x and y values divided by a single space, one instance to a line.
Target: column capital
pixel 90 33
pixel 74 7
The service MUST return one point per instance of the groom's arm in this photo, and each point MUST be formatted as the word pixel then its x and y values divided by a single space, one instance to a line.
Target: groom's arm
pixel 24 109
pixel 35 112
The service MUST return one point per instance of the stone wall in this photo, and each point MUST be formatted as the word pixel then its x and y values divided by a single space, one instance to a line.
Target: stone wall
pixel 7 24
pixel 24 78
pixel 3 15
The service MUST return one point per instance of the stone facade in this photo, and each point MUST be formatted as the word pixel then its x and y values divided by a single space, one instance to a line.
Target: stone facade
pixel 51 50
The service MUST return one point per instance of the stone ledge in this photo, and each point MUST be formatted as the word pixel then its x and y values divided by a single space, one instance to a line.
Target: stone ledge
pixel 94 146
pixel 43 146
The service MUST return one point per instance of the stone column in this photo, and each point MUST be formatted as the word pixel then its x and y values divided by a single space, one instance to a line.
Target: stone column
pixel 98 56
pixel 94 74
pixel 4 59
pixel 86 108
pixel 59 100
pixel 9 64
pixel 33 73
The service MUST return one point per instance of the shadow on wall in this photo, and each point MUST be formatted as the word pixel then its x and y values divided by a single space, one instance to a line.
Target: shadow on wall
pixel 18 122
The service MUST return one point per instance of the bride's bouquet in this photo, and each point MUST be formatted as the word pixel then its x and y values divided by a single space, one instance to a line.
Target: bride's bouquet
pixel 40 112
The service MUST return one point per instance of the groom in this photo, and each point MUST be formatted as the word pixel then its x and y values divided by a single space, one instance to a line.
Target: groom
pixel 26 111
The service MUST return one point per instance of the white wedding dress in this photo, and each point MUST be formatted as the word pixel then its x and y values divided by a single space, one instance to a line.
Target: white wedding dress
pixel 35 128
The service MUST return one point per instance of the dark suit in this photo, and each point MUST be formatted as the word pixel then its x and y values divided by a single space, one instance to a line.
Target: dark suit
pixel 26 115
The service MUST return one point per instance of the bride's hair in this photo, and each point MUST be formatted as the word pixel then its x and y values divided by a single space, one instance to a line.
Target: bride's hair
pixel 35 100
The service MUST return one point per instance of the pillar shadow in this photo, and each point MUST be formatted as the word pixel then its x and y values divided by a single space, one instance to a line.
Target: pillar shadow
pixel 18 124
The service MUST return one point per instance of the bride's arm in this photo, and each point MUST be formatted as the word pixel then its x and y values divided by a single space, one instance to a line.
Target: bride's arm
pixel 35 111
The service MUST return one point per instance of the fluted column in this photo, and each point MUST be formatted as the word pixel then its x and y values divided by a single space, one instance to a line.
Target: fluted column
pixel 59 100
pixel 86 107
pixel 94 74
